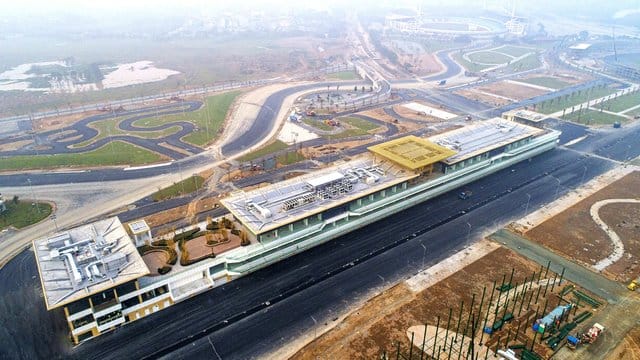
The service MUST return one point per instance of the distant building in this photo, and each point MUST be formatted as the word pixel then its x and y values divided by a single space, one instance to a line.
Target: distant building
pixel 517 26
pixel 579 51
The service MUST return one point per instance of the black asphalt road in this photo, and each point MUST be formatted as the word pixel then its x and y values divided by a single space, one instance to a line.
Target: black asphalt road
pixel 266 117
pixel 391 251
pixel 452 67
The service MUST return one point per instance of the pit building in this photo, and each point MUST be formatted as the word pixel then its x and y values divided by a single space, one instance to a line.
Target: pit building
pixel 96 275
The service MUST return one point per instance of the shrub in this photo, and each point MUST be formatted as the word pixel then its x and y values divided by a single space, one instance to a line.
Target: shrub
pixel 235 232
pixel 163 270
pixel 186 235
pixel 213 226
pixel 244 239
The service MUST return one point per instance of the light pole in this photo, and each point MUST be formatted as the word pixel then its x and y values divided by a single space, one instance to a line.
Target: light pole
pixel 583 174
pixel 35 200
pixel 315 327
pixel 526 209
pixel 424 254
pixel 469 232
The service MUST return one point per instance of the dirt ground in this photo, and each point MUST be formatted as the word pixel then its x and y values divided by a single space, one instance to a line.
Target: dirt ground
pixel 629 348
pixel 315 151
pixel 575 235
pixel 376 327
pixel 155 260
pixel 179 212
pixel 403 126
pixel 512 91
pixel 415 115
pixel 198 247
pixel 58 122
pixel 421 64
pixel 566 76
pixel 14 145
pixel 483 98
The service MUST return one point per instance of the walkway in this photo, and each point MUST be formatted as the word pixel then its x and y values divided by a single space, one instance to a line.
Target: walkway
pixel 618 246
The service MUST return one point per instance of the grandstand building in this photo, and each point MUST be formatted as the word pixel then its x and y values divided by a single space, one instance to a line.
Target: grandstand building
pixel 100 280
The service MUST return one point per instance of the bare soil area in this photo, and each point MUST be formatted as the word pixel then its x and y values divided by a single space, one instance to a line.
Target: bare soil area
pixel 566 76
pixel 376 327
pixel 513 91
pixel 315 151
pixel 155 260
pixel 416 115
pixel 15 145
pixel 58 122
pixel 179 212
pixel 575 235
pixel 198 247
pixel 483 98
pixel 629 347
pixel 403 126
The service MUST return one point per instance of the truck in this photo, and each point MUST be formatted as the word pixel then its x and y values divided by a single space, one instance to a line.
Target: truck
pixel 592 334
pixel 442 82
pixel 465 194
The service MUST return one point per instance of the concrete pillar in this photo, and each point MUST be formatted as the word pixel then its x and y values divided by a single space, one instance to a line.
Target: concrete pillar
pixel 306 221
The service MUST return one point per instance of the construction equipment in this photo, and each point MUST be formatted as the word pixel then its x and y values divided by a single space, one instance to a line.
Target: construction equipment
pixel 572 342
pixel 592 334
pixel 633 285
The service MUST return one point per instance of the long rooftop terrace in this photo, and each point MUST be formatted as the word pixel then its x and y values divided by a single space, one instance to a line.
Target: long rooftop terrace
pixel 482 136
pixel 268 208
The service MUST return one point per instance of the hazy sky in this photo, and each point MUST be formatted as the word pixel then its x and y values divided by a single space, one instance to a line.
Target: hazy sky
pixel 123 10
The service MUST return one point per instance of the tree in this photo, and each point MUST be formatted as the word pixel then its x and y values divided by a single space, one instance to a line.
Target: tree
pixel 355 88
pixel 362 88
pixel 15 199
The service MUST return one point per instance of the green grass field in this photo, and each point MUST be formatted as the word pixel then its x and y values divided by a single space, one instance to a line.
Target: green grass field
pixel 180 188
pixel 23 214
pixel 546 81
pixel 622 103
pixel 208 119
pixel 343 75
pixel 289 158
pixel 591 117
pixel 318 124
pixel 113 153
pixel 528 63
pixel 514 50
pixel 473 67
pixel 489 57
pixel 564 102
pixel 358 126
pixel 265 150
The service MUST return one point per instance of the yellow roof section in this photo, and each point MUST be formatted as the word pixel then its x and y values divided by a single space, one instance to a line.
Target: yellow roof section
pixel 412 152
